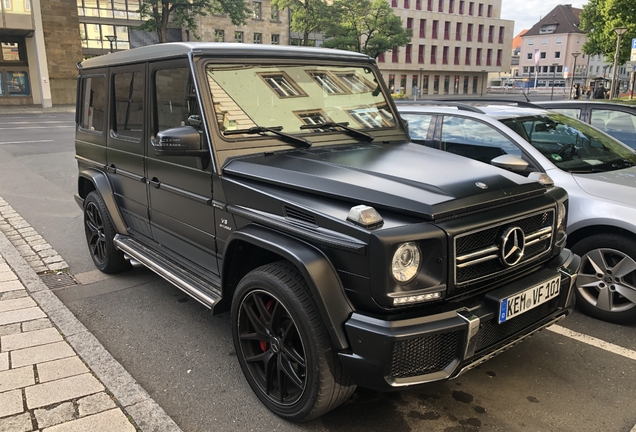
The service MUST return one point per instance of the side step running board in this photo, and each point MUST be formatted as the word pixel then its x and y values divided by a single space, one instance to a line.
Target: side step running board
pixel 198 288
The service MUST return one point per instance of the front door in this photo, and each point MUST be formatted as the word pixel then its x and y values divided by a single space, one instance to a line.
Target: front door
pixel 179 187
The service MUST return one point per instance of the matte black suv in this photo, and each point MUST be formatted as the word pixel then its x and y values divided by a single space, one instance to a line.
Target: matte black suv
pixel 278 183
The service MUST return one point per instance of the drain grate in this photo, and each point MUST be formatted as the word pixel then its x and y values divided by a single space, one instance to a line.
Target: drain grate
pixel 61 280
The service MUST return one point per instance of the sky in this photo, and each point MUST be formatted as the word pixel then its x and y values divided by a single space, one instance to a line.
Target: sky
pixel 526 13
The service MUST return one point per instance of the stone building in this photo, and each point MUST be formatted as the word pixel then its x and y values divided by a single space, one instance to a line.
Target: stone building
pixel 40 49
pixel 455 44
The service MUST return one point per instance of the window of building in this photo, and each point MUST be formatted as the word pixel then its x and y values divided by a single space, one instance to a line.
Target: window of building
pixel 458 31
pixel 403 83
pixel 465 85
pixel 501 34
pixel 558 39
pixel 491 34
pixel 447 30
pixel 219 36
pixel 408 53
pixel 424 87
pixel 312 117
pixel 489 57
pixel 275 16
pixel 354 83
pixel 525 69
pixel 409 23
pixel 275 39
pixel 436 84
pixel 407 5
pixel 451 6
pixel 11 52
pixel 256 10
pixel 282 84
pixel 529 57
pixel 434 31
pixel 478 57
pixel 446 83
pixel 394 3
pixel 326 82
pixel 469 33
pixel 471 8
pixel 445 55
pixel 422 28
pixel 480 10
pixel 467 58
pixel 395 54
pixel 391 83
pixel 93 103
pixel 457 53
pixel 238 36
pixel 128 89
pixel 420 54
pixel 429 5
pixel 461 7
pixel 499 53
pixel 542 55
pixel 531 41
pixel 258 38
pixel 381 58
pixel 440 6
pixel 489 13
pixel 27 5
pixel 418 4
pixel 557 54
pixel 7 5
pixel 434 54
pixel 547 28
pixel 480 33
pixel 544 41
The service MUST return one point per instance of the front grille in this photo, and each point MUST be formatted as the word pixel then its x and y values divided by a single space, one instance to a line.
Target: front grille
pixel 491 332
pixel 424 355
pixel 477 254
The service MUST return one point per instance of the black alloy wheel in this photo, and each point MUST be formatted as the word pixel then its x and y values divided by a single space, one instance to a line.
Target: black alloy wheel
pixel 283 347
pixel 99 236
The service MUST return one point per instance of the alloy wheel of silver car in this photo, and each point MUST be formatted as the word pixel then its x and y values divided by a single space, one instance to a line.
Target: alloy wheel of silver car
pixel 607 280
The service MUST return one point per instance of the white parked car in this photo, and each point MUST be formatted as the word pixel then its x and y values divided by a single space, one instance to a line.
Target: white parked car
pixel 597 171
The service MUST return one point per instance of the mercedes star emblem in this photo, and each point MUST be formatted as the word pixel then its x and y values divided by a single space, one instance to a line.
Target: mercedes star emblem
pixel 512 243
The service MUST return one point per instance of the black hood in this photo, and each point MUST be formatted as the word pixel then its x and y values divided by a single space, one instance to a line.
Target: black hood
pixel 403 177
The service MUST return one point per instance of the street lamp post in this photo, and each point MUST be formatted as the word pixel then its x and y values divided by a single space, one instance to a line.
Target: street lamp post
pixel 554 67
pixel 619 32
pixel 483 74
pixel 575 55
pixel 111 39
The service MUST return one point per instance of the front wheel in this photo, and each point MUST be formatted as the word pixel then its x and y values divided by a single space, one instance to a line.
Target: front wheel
pixel 283 347
pixel 606 283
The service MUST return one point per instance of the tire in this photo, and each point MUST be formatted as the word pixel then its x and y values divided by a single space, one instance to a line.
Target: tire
pixel 606 283
pixel 99 230
pixel 283 347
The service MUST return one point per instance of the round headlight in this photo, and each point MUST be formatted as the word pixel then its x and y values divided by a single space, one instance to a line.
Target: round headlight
pixel 406 262
pixel 561 214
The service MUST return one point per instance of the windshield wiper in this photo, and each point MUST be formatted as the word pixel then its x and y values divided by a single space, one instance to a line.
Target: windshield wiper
pixel 344 126
pixel 297 141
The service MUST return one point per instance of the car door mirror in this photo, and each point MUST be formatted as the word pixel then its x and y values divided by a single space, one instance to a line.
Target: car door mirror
pixel 179 141
pixel 509 162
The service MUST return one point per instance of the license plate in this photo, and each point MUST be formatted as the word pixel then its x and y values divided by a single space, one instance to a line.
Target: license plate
pixel 524 301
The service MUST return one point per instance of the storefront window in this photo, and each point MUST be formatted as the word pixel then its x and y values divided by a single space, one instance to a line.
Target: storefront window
pixel 1 84
pixel 10 52
pixel 18 84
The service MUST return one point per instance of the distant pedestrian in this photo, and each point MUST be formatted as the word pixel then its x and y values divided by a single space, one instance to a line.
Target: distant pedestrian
pixel 588 93
pixel 577 91
pixel 599 93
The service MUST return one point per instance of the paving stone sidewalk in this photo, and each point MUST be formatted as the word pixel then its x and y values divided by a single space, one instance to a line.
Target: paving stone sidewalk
pixel 55 376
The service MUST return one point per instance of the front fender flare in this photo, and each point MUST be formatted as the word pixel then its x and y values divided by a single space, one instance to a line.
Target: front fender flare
pixel 321 277
pixel 105 189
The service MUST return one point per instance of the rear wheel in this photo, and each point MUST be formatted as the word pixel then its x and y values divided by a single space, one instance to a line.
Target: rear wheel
pixel 283 347
pixel 99 236
pixel 606 283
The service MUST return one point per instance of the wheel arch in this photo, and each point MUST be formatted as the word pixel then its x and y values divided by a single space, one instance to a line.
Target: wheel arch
pixel 262 246
pixel 586 231
pixel 90 180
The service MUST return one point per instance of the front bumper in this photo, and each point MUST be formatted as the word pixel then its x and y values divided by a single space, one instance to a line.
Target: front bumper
pixel 386 355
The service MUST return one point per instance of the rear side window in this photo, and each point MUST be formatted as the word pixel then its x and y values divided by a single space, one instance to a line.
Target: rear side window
pixel 620 125
pixel 129 104
pixel 93 107
pixel 572 112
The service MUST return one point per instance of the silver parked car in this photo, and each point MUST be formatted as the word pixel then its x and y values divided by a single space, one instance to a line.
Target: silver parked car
pixel 598 172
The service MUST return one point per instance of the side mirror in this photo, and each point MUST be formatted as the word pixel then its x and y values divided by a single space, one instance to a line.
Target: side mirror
pixel 509 162
pixel 179 141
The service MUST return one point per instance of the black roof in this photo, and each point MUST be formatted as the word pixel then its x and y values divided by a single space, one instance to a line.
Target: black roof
pixel 223 50
pixel 565 17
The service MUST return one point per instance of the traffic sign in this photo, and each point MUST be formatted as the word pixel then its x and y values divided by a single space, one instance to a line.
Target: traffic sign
pixel 633 56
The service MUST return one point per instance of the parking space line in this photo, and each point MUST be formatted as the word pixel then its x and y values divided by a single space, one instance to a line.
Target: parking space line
pixel 34 127
pixel 24 142
pixel 598 343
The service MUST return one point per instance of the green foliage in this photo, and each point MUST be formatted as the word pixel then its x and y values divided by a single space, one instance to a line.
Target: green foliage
pixel 599 18
pixel 308 16
pixel 366 26
pixel 157 14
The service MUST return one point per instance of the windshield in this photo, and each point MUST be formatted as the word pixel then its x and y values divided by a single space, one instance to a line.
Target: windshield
pixel 291 96
pixel 572 145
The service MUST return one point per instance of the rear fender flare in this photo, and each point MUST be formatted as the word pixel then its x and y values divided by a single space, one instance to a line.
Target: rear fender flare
pixel 321 277
pixel 105 189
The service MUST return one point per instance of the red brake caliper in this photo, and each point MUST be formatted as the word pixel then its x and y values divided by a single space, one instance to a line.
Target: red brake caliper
pixel 269 306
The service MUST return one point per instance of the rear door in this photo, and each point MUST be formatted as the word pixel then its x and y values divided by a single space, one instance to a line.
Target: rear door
pixel 125 146
pixel 179 187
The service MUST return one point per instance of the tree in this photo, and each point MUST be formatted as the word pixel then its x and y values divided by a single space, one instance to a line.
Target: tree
pixel 156 14
pixel 599 18
pixel 366 26
pixel 308 16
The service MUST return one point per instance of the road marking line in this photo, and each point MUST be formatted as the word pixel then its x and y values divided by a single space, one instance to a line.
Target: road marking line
pixel 35 127
pixel 23 142
pixel 590 340
pixel 40 122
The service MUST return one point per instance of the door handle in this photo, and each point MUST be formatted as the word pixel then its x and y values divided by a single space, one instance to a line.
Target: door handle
pixel 111 168
pixel 155 182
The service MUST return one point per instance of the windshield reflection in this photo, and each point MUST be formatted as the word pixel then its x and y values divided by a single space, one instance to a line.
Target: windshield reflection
pixel 572 145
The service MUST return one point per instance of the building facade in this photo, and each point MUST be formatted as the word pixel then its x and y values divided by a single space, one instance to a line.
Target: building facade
pixel 31 70
pixel 455 44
